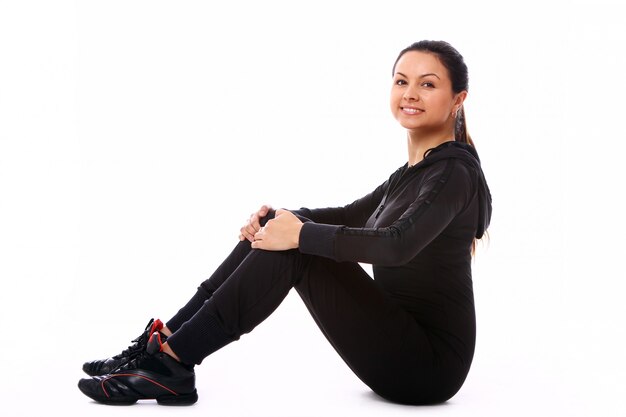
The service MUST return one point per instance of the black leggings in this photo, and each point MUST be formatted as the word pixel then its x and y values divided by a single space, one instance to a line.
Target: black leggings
pixel 381 342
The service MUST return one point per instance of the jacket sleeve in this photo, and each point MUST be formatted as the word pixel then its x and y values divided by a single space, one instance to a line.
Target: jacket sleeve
pixel 444 194
pixel 354 214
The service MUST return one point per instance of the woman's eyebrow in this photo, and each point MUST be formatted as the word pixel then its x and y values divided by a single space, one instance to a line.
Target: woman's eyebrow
pixel 421 76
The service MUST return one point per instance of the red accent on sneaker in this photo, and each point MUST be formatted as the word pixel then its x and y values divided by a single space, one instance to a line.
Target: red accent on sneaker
pixel 157 325
pixel 140 376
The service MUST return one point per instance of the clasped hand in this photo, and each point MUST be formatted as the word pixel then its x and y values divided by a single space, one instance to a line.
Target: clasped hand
pixel 280 233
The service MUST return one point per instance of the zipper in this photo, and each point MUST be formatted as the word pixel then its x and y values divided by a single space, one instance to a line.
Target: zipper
pixel 389 189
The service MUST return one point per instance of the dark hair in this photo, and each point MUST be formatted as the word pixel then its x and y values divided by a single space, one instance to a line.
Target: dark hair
pixel 457 71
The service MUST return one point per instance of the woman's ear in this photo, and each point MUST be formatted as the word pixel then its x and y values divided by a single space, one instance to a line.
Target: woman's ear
pixel 459 98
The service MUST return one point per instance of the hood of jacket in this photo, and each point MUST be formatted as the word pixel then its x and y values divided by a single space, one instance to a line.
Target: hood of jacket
pixel 467 153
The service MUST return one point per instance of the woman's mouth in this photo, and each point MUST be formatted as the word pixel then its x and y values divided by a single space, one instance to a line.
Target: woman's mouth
pixel 411 110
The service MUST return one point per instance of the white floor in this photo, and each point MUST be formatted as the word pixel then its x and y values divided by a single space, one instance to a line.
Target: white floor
pixel 286 368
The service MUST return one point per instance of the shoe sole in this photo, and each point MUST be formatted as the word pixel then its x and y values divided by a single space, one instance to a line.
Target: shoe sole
pixel 167 400
pixel 180 399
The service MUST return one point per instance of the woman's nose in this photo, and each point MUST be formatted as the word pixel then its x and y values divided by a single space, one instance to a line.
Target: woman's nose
pixel 410 94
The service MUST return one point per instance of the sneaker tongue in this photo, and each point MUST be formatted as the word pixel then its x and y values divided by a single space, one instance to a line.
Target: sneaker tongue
pixel 154 343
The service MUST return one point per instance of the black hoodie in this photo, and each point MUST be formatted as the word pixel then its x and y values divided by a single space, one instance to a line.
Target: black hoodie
pixel 392 224
pixel 417 230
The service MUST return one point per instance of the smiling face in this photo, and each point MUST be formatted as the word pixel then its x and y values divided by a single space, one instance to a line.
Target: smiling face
pixel 422 99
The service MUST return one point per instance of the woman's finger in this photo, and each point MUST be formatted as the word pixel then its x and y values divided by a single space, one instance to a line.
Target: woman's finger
pixel 250 228
pixel 246 233
pixel 255 223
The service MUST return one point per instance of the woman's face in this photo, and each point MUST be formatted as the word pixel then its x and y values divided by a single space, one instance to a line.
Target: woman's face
pixel 421 95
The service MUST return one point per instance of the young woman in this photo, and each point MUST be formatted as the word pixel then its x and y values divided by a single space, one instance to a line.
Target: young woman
pixel 408 334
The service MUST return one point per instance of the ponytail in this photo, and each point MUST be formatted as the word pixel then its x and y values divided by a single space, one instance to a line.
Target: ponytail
pixel 460 128
pixel 462 135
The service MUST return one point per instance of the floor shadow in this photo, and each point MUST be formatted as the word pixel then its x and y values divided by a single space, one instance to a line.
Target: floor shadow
pixel 372 396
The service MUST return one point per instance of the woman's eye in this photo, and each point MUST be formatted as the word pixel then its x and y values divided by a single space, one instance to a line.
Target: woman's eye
pixel 400 82
pixel 428 84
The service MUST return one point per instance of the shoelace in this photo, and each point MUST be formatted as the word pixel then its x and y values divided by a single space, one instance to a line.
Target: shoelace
pixel 139 345
pixel 132 361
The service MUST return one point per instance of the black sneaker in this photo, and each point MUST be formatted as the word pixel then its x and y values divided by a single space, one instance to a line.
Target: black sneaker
pixel 151 374
pixel 104 366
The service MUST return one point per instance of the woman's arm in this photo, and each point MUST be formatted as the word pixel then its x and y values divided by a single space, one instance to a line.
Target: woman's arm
pixel 441 198
pixel 354 214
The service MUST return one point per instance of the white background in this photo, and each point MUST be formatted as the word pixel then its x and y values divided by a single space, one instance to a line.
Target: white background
pixel 137 136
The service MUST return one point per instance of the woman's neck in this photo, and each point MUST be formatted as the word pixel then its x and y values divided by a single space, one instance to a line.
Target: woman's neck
pixel 418 144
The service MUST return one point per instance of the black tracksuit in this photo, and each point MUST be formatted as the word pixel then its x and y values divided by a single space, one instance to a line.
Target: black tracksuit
pixel 409 334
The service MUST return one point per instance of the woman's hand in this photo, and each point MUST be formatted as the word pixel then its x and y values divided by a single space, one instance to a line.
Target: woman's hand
pixel 280 233
pixel 254 224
